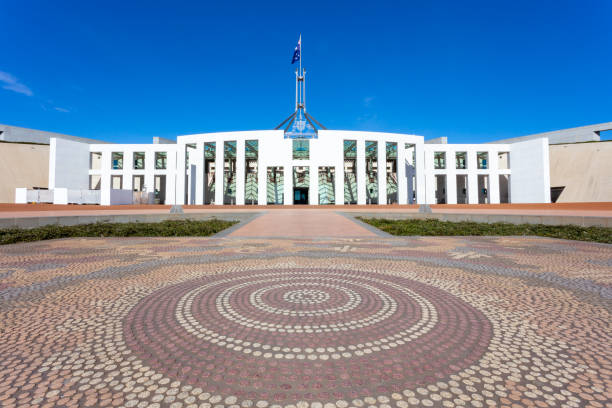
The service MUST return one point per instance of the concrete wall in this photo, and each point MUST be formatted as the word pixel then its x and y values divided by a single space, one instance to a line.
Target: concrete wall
pixel 68 164
pixel 530 179
pixel 22 165
pixel 585 169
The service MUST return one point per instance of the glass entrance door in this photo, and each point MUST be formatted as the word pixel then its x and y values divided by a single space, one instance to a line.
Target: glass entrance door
pixel 300 196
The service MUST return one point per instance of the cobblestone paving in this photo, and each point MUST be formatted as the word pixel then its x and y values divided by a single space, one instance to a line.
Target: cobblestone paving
pixel 306 323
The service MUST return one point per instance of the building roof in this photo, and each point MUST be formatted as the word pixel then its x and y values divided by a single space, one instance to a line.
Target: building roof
pixel 18 134
pixel 588 133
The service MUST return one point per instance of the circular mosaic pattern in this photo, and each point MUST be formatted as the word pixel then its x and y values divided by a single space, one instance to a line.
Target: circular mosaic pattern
pixel 305 335
pixel 306 296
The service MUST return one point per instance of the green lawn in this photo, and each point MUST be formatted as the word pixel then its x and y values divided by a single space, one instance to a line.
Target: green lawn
pixel 434 227
pixel 174 228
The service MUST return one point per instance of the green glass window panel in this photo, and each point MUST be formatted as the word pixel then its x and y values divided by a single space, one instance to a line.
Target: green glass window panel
pixel 251 149
pixel 371 153
pixel 461 160
pixel 139 160
pixel 229 149
pixel 275 185
pixel 210 151
pixel 117 159
pixel 161 160
pixel 301 149
pixel 229 173
pixel 439 160
pixel 483 160
pixel 301 177
pixel 326 185
pixel 251 153
pixel 350 149
pixel 391 151
pixel 371 150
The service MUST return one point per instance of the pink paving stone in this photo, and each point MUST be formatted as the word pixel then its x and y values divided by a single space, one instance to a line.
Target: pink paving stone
pixel 302 224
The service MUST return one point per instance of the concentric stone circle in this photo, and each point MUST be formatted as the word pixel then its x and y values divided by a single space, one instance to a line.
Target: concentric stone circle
pixel 306 296
pixel 354 299
pixel 276 333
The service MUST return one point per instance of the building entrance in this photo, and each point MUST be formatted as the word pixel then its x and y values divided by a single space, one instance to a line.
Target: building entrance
pixel 300 195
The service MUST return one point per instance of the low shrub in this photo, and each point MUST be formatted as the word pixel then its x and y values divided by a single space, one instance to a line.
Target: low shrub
pixel 434 227
pixel 169 228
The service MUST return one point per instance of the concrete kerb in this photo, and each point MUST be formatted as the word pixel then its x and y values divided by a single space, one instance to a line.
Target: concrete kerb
pixel 581 221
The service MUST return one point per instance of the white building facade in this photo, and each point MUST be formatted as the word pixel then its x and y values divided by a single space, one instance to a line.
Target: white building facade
pixel 332 168
pixel 300 162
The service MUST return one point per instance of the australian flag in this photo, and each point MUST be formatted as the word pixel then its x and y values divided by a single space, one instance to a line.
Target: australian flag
pixel 297 52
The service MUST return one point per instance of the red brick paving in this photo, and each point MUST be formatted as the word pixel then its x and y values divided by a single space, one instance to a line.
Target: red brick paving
pixel 302 224
pixel 306 323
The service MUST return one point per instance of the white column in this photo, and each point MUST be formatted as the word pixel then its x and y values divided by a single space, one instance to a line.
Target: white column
pixel 240 172
pixel 192 181
pixel 180 174
pixel 472 189
pixel 430 188
pixel 421 170
pixel 493 192
pixel 451 178
pixel 198 161
pixel 128 170
pixel 262 182
pixel 149 183
pixel 219 171
pixel 361 173
pixel 313 190
pixel 171 175
pixel 105 183
pixel 451 187
pixel 472 181
pixel 288 184
pixel 382 172
pixel 430 177
pixel 402 180
pixel 339 175
pixel 52 162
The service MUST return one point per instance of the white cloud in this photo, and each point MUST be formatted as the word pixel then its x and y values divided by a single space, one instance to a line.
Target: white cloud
pixel 367 101
pixel 57 108
pixel 9 82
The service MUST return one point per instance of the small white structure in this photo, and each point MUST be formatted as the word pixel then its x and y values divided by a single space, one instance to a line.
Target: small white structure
pixel 302 163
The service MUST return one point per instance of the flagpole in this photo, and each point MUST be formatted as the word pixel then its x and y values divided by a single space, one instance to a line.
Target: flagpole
pixel 302 87
pixel 303 79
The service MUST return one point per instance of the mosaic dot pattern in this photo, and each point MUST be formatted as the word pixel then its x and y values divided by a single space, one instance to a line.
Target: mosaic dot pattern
pixel 237 333
pixel 399 322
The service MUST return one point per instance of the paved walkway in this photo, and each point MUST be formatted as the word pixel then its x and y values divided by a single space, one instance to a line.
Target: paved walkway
pixel 302 224
pixel 306 323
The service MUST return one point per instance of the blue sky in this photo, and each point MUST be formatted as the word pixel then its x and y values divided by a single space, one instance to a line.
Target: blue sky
pixel 471 70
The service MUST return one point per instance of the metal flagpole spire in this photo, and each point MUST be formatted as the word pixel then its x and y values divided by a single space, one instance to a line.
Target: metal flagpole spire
pixel 300 124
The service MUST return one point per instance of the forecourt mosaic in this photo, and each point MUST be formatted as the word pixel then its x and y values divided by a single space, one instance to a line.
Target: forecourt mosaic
pixel 387 322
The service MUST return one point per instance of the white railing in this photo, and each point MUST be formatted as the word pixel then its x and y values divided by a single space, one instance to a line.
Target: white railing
pixel 57 196
pixel 75 196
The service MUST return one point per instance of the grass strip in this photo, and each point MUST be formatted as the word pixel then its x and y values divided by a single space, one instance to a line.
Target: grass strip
pixel 168 228
pixel 435 227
